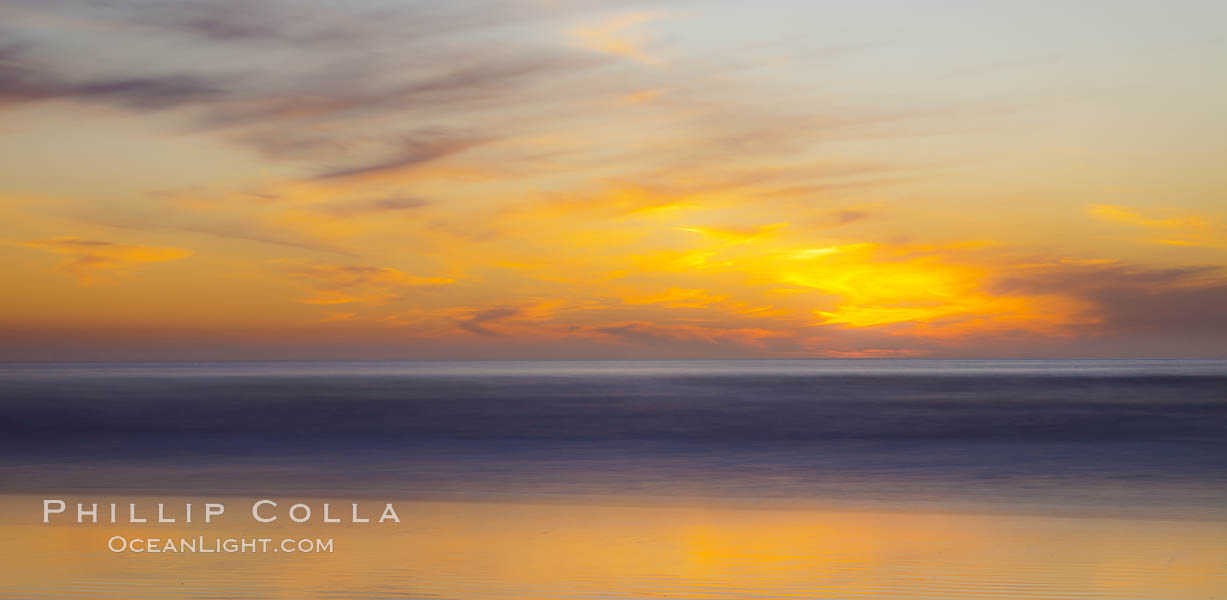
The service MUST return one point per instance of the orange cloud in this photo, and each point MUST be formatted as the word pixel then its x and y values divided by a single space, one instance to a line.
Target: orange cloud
pixel 641 96
pixel 87 259
pixel 735 235
pixel 1190 230
pixel 938 292
pixel 357 284
pixel 676 297
pixel 610 36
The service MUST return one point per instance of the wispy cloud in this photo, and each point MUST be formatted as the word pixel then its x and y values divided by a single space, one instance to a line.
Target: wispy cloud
pixel 90 259
pixel 1191 230
pixel 479 321
pixel 195 212
pixel 351 95
pixel 372 206
pixel 416 149
pixel 611 36
pixel 502 173
pixel 332 283
pixel 641 96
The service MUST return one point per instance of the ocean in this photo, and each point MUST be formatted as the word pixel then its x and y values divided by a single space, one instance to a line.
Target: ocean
pixel 798 478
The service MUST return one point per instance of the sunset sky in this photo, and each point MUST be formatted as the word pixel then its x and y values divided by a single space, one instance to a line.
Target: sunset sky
pixel 572 179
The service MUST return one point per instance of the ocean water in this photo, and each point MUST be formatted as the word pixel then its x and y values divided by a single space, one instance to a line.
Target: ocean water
pixel 680 479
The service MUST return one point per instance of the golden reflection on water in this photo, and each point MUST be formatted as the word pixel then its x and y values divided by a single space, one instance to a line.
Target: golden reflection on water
pixel 506 550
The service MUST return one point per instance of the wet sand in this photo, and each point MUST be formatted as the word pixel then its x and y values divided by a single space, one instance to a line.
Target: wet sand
pixel 514 550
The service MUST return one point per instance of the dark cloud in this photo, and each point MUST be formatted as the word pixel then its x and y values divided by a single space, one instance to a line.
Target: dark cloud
pixel 1130 300
pixel 636 332
pixel 144 92
pixel 373 206
pixel 308 81
pixel 419 148
pixel 338 87
pixel 476 322
pixel 243 21
pixel 331 83
pixel 25 80
pixel 1198 310
pixel 312 23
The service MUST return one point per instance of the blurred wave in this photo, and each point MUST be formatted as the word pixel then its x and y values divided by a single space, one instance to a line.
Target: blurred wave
pixel 1099 434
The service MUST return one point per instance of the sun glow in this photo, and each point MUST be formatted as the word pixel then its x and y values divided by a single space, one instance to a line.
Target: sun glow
pixel 584 180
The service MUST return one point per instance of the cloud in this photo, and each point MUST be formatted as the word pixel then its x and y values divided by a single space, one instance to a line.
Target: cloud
pixel 338 317
pixel 151 93
pixel 616 201
pixel 347 91
pixel 305 24
pixel 875 353
pixel 24 78
pixel 845 217
pixel 478 321
pixel 737 234
pixel 302 81
pixel 611 37
pixel 356 284
pixel 372 206
pixel 1172 231
pixel 641 96
pixel 1122 299
pixel 416 149
pixel 239 21
pixel 89 259
pixel 196 212
pixel 653 333
pixel 676 297
pixel 710 204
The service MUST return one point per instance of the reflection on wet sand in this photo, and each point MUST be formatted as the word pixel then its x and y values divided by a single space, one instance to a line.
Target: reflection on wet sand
pixel 508 550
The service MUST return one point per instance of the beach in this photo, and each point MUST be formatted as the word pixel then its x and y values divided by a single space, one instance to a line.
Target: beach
pixel 689 479
pixel 464 549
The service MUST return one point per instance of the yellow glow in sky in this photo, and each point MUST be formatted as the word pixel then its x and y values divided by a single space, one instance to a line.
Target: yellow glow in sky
pixel 566 180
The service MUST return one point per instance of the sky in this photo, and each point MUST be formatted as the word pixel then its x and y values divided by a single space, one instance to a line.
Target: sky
pixel 478 179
